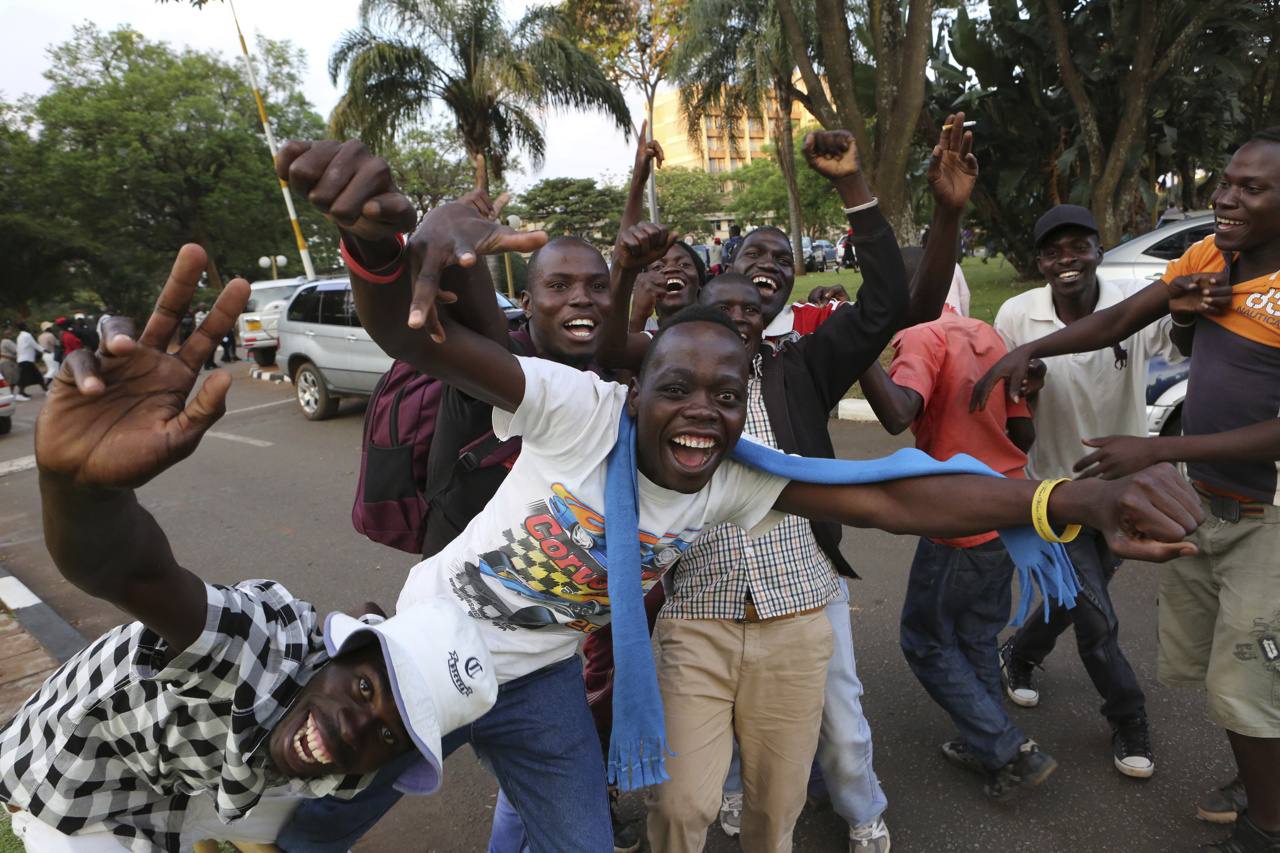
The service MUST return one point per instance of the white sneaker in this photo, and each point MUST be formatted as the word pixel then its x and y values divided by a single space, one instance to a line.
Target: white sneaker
pixel 731 814
pixel 870 837
pixel 22 398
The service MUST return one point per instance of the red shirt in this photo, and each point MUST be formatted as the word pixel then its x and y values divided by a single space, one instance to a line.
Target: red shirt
pixel 70 343
pixel 807 317
pixel 942 361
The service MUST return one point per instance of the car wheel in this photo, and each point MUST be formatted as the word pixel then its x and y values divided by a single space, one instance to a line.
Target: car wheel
pixel 6 424
pixel 264 356
pixel 314 399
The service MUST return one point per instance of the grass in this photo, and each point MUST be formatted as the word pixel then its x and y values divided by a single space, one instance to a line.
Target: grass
pixel 9 843
pixel 990 284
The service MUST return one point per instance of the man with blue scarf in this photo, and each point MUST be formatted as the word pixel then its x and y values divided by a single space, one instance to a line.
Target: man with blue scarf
pixel 540 567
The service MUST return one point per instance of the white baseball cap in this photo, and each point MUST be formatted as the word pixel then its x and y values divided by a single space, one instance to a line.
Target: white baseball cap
pixel 440 671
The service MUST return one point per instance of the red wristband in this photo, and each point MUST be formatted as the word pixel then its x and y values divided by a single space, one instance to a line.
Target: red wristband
pixel 377 278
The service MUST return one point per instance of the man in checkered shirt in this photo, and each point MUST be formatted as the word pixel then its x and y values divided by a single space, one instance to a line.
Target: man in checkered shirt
pixel 219 704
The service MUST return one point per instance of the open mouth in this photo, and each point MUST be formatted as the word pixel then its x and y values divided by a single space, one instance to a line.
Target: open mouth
pixel 766 284
pixel 309 746
pixel 1069 276
pixel 1223 224
pixel 581 327
pixel 674 285
pixel 693 452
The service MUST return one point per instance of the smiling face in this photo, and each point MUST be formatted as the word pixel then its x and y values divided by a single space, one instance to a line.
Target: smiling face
pixel 675 280
pixel 1068 258
pixel 736 296
pixel 690 404
pixel 565 299
pixel 766 259
pixel 345 720
pixel 1247 202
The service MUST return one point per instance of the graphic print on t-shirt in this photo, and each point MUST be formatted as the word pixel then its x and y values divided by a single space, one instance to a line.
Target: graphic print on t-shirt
pixel 556 559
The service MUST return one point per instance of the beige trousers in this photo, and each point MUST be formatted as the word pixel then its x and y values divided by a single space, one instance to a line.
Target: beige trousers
pixel 763 682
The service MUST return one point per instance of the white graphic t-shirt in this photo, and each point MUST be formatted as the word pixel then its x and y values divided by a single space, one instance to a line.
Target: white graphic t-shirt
pixel 532 564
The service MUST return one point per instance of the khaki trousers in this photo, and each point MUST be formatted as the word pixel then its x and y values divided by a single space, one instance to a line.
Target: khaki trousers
pixel 762 681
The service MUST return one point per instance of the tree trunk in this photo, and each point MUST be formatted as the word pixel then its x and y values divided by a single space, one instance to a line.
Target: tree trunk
pixel 785 143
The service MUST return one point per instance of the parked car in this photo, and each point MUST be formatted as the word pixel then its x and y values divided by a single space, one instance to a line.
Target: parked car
pixel 1136 263
pixel 328 354
pixel 8 405
pixel 824 252
pixel 257 324
pixel 1133 265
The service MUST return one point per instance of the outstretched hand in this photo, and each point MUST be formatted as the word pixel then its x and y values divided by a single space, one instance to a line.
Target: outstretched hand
pixel 458 233
pixel 119 416
pixel 1015 369
pixel 953 170
pixel 1148 515
pixel 1200 293
pixel 349 185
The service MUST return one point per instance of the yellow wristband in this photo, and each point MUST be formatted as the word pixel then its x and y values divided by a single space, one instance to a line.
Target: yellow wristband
pixel 1040 513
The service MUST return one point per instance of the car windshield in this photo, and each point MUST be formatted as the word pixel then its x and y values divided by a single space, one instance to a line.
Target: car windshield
pixel 264 296
pixel 503 302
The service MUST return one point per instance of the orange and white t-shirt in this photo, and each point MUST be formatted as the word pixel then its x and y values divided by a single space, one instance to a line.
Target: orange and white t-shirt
pixel 1235 373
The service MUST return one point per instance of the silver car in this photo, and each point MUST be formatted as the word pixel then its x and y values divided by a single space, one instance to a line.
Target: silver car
pixel 324 349
pixel 328 354
pixel 1133 265
pixel 257 323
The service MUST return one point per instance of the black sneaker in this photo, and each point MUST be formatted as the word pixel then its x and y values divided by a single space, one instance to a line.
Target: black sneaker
pixel 1131 745
pixel 1246 838
pixel 959 754
pixel 1223 805
pixel 1028 770
pixel 1017 677
pixel 626 836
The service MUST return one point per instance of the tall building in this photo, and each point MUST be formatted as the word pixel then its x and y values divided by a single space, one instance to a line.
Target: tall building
pixel 716 155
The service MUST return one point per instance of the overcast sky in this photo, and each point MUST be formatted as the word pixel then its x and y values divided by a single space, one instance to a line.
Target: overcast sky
pixel 578 144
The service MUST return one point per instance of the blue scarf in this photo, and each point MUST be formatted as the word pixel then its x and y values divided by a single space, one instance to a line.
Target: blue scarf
pixel 638 744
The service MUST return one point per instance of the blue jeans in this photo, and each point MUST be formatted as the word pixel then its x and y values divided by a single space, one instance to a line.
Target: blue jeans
pixel 540 742
pixel 957 602
pixel 844 744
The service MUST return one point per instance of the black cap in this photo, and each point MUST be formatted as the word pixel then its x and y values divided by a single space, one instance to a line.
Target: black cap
pixel 1064 214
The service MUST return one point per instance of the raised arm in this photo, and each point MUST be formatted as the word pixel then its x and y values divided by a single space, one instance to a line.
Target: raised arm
pixel 119 417
pixel 648 154
pixel 636 248
pixel 1143 517
pixel 953 172
pixel 843 347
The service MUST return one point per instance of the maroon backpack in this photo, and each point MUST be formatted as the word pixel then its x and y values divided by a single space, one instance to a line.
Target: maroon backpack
pixel 393 495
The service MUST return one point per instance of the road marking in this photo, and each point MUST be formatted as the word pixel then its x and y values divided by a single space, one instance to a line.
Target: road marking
pixel 260 406
pixel 13 466
pixel 15 594
pixel 226 436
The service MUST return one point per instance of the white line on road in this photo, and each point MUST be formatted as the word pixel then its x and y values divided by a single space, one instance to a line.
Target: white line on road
pixel 13 466
pixel 15 594
pixel 260 406
pixel 226 436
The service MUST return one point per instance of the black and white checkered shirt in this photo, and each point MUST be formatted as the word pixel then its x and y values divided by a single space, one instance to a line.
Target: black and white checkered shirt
pixel 113 741
pixel 785 570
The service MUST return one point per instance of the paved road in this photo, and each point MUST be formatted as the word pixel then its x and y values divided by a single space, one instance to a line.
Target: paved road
pixel 270 496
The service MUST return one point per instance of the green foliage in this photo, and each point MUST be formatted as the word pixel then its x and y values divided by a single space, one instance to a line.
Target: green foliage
pixel 688 197
pixel 137 149
pixel 575 206
pixel 491 77
pixel 430 167
pixel 639 53
pixel 760 195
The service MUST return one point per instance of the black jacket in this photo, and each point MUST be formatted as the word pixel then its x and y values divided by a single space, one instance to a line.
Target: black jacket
pixel 805 379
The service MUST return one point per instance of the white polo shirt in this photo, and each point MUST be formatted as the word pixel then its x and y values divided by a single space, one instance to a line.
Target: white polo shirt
pixel 1085 395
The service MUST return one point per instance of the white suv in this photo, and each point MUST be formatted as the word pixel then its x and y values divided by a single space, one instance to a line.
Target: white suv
pixel 257 324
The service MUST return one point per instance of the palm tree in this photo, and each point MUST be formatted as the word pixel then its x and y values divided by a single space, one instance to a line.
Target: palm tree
pixel 411 55
pixel 735 64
